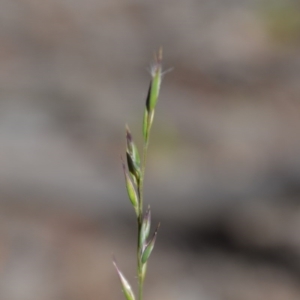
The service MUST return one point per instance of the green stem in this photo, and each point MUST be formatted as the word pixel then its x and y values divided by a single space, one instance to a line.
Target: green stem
pixel 139 263
pixel 140 221
pixel 141 183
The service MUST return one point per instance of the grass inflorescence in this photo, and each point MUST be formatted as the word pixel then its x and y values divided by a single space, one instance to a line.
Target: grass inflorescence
pixel 134 174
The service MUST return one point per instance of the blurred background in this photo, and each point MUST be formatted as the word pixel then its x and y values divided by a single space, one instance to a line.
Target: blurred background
pixel 223 174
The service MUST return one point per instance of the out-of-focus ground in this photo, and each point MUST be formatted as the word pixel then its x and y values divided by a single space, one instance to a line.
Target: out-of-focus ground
pixel 223 172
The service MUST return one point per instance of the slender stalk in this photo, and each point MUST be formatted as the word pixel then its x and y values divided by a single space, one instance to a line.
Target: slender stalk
pixel 148 119
pixel 134 178
pixel 140 219
pixel 139 265
pixel 141 183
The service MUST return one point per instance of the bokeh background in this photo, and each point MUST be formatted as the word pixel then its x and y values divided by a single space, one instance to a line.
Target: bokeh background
pixel 223 172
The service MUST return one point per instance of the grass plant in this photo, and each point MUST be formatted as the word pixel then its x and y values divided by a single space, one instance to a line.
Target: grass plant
pixel 134 174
